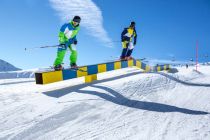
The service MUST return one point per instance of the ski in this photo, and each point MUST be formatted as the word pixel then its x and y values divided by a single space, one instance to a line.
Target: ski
pixel 51 68
pixel 76 69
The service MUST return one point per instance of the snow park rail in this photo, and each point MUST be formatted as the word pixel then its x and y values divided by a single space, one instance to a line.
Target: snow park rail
pixel 90 72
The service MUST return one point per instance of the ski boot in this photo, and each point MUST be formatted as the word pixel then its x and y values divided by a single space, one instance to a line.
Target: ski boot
pixel 74 66
pixel 122 58
pixel 128 58
pixel 58 67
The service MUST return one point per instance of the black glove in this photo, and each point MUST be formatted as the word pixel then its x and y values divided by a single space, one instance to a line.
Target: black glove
pixel 62 45
pixel 125 38
pixel 75 42
pixel 134 42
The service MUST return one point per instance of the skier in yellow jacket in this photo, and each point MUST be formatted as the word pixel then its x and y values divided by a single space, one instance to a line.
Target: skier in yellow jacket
pixel 126 37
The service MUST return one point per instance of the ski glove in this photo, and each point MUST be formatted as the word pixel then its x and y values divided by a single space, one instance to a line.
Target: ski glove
pixel 75 42
pixel 62 45
pixel 125 38
pixel 134 43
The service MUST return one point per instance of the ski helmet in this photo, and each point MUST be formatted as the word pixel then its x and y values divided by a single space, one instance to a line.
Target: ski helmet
pixel 132 24
pixel 77 19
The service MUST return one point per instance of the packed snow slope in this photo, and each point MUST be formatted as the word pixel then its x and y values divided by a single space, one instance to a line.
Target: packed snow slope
pixel 124 104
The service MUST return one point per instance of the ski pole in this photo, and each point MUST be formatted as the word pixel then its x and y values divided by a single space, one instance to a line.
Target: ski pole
pixel 113 42
pixel 53 46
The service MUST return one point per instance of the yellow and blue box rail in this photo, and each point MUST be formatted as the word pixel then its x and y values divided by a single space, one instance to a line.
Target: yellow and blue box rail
pixel 161 67
pixel 46 77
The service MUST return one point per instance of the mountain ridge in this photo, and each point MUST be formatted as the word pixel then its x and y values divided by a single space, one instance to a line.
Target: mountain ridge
pixel 6 66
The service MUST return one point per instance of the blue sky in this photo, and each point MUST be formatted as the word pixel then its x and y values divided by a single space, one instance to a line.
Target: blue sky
pixel 166 29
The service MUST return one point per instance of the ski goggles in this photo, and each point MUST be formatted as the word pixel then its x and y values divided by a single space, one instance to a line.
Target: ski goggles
pixel 77 20
pixel 75 23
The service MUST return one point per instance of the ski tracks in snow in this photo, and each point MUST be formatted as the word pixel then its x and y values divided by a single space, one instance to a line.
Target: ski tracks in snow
pixel 133 107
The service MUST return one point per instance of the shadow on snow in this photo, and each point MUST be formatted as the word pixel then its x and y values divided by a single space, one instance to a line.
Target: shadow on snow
pixel 119 99
pixel 183 82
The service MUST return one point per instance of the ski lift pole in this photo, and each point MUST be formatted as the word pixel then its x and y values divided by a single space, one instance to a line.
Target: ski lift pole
pixel 197 55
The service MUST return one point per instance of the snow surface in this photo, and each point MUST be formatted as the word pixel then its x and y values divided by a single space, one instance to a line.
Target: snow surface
pixel 124 104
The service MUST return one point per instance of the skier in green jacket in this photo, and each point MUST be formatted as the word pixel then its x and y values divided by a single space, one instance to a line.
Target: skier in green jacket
pixel 67 39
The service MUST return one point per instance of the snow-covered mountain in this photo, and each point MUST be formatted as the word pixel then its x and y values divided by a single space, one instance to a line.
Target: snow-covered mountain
pixel 5 66
pixel 123 104
pixel 8 71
